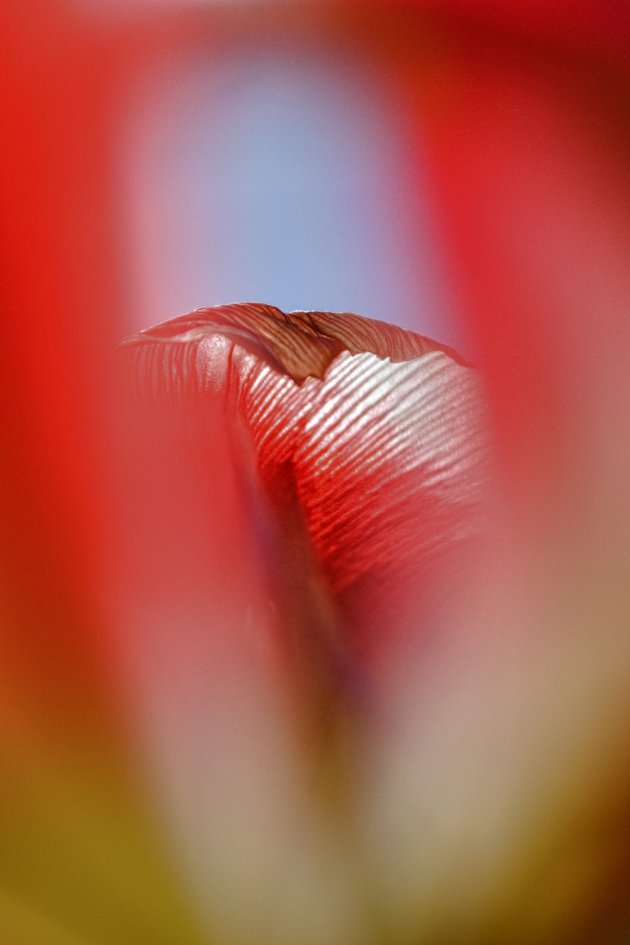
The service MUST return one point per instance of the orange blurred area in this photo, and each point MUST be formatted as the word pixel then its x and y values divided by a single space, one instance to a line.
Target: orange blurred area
pixel 473 180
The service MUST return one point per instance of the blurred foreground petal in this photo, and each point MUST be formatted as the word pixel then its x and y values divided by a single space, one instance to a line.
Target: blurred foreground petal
pixel 515 770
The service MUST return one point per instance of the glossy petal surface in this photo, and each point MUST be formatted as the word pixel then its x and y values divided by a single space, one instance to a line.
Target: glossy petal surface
pixel 369 448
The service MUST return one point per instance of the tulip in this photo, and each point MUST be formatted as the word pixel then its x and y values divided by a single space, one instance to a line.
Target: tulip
pixel 363 446
pixel 355 456
pixel 314 635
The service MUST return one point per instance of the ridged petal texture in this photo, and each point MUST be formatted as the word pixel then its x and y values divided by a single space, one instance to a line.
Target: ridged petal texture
pixel 369 444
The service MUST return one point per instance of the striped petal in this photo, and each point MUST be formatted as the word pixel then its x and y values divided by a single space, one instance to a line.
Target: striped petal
pixel 369 450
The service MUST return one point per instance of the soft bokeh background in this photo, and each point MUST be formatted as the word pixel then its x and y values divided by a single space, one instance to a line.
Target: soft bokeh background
pixel 458 166
pixel 252 171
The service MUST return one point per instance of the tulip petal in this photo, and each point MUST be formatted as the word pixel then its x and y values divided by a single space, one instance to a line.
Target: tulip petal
pixel 302 344
pixel 369 442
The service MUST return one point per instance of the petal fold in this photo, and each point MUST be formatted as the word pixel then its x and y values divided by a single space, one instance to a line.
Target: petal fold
pixel 369 444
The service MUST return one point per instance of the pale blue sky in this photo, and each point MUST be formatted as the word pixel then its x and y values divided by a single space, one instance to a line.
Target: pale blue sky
pixel 278 177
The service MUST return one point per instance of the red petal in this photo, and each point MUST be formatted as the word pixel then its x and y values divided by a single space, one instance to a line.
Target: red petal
pixel 369 445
